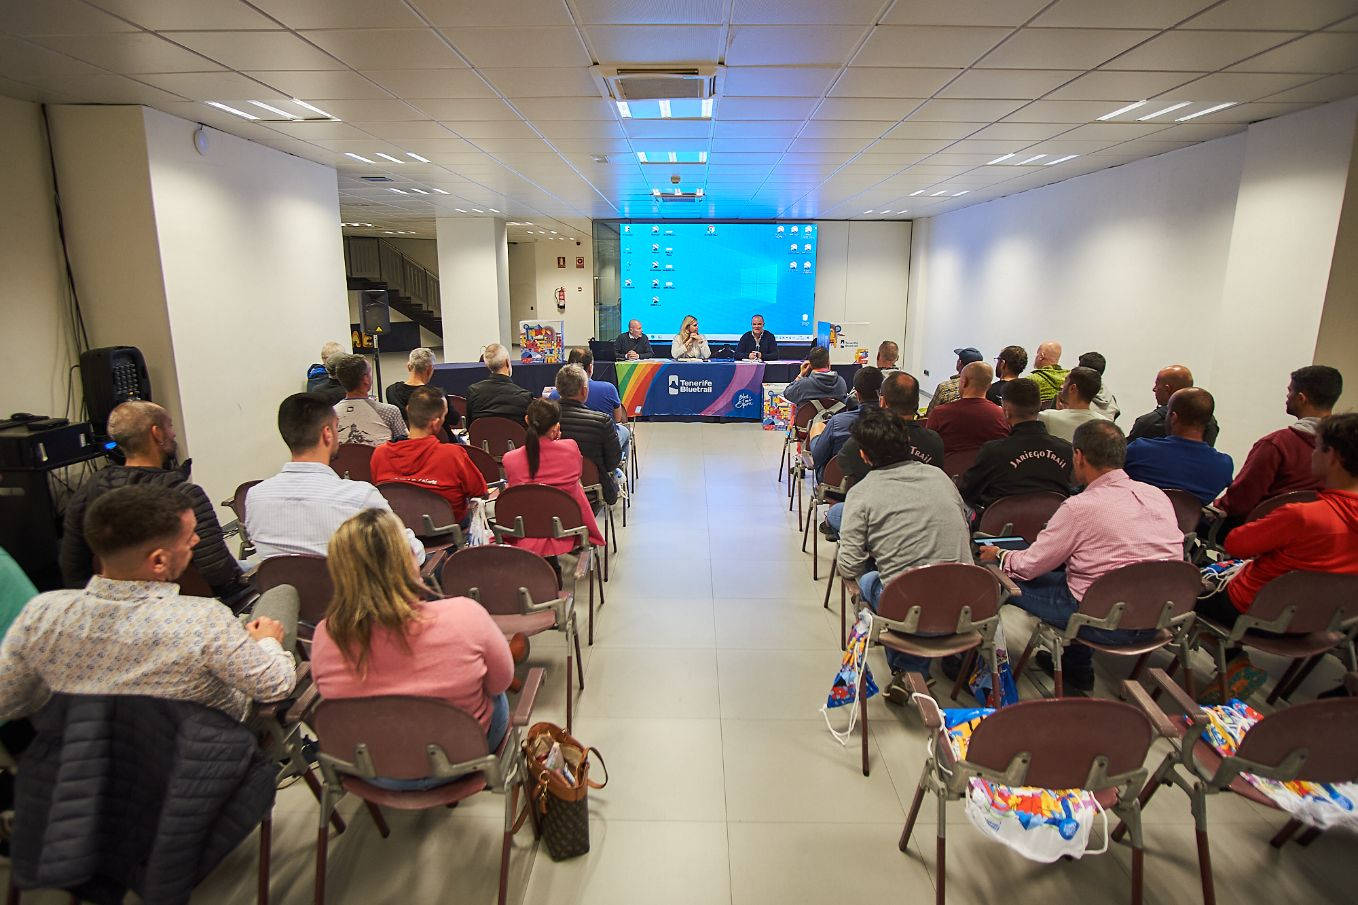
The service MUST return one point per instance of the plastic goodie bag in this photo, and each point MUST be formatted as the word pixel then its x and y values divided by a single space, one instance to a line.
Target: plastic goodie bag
pixel 1040 824
pixel 478 528
pixel 853 671
pixel 777 410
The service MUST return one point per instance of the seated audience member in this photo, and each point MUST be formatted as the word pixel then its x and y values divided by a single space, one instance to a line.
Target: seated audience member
pixel 1155 423
pixel 547 458
pixel 420 365
pixel 1321 536
pixel 947 391
pixel 827 442
pixel 424 461
pixel 689 343
pixel 1009 364
pixel 320 377
pixel 1079 390
pixel 901 515
pixel 146 435
pixel 1105 403
pixel 1182 460
pixel 603 397
pixel 1114 522
pixel 298 509
pixel 633 344
pixel 758 344
pixel 1047 372
pixel 130 631
pixel 498 395
pixel 888 354
pixel 593 432
pixel 1029 460
pixel 973 419
pixel 816 380
pixel 381 637
pixel 1280 462
pixel 363 419
pixel 16 589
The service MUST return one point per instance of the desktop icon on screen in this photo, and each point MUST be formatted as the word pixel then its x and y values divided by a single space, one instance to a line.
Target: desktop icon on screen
pixel 806 266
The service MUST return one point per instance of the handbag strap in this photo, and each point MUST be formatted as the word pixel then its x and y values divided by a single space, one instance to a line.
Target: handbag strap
pixel 591 783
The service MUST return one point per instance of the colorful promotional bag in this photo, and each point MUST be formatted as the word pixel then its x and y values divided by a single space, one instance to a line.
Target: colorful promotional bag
pixel 852 666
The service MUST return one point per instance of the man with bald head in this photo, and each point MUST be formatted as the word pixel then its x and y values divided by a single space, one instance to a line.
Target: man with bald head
pixel 146 435
pixel 1155 423
pixel 1182 460
pixel 973 419
pixel 1047 372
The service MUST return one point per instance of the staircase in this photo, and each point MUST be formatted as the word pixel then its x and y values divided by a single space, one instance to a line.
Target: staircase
pixel 373 263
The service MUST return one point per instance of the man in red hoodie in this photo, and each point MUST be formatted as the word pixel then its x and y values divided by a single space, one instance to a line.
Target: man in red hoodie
pixel 425 461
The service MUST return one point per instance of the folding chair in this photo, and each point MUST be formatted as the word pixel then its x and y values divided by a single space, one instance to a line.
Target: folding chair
pixel 1188 510
pixel 832 488
pixel 1261 510
pixel 536 510
pixel 593 486
pixel 1153 596
pixel 237 505
pixel 354 461
pixel 306 573
pixel 798 432
pixel 457 405
pixel 1019 515
pixel 1312 742
pixel 1061 743
pixel 430 517
pixel 399 737
pixel 486 464
pixel 496 435
pixel 519 590
pixel 956 464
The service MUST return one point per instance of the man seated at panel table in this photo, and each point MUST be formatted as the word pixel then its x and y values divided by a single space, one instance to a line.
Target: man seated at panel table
pixel 363 419
pixel 1078 391
pixel 973 419
pixel 828 437
pixel 1113 522
pixel 633 344
pixel 1183 461
pixel 1155 423
pixel 130 630
pixel 593 432
pixel 816 380
pixel 298 509
pixel 424 461
pixel 757 344
pixel 1028 460
pixel 498 395
pixel 947 391
pixel 902 514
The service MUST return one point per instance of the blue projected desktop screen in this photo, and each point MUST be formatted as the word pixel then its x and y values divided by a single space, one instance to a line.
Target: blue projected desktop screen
pixel 722 274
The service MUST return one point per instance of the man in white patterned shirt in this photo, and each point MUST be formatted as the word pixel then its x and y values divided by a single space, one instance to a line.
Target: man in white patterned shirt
pixel 130 631
pixel 298 509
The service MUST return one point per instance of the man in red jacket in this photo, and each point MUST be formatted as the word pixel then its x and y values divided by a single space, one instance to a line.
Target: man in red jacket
pixel 424 461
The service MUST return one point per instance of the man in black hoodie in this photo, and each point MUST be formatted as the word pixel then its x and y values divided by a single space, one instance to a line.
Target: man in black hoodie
pixel 1029 460
pixel 816 380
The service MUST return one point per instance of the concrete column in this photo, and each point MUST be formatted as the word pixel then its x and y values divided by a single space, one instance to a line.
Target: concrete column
pixel 1337 342
pixel 473 285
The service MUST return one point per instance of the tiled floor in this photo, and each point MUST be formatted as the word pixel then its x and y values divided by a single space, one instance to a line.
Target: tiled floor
pixel 711 661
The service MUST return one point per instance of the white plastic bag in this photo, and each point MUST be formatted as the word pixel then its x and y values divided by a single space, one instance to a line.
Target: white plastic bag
pixel 478 529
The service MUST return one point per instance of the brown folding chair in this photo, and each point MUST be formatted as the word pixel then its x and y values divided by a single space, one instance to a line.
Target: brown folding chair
pixel 1261 510
pixel 457 405
pixel 799 433
pixel 308 575
pixel 1188 510
pixel 1061 743
pixel 398 737
pixel 1312 742
pixel 430 517
pixel 594 491
pixel 1153 596
pixel 237 505
pixel 485 463
pixel 936 611
pixel 519 590
pixel 354 461
pixel 536 510
pixel 956 464
pixel 831 489
pixel 497 435
pixel 1019 515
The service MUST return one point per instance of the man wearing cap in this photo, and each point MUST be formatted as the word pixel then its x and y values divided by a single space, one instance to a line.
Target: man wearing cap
pixel 948 391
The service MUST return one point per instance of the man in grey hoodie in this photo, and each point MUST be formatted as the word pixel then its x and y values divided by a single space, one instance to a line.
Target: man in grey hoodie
pixel 901 515
pixel 1105 403
pixel 816 380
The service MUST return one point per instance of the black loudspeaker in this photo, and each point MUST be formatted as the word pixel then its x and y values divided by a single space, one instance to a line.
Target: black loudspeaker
pixel 374 312
pixel 111 376
pixel 28 525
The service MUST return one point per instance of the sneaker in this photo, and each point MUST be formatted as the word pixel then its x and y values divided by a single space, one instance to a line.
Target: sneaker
pixel 829 532
pixel 1071 681
pixel 898 691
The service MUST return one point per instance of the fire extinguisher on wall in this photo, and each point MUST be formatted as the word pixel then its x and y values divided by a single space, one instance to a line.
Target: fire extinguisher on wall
pixel 560 298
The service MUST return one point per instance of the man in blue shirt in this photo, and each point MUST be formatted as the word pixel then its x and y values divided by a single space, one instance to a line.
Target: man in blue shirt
pixel 1183 460
pixel 825 445
pixel 603 397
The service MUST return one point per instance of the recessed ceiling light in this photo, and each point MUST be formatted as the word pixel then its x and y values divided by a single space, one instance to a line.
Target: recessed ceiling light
pixel 1002 159
pixel 440 192
pixel 357 156
pixel 961 193
pixel 655 192
pixel 707 108
pixel 869 212
pixel 390 232
pixel 1030 160
pixel 1121 110
pixel 477 210
pixel 936 194
pixel 417 157
pixel 399 191
pixel 493 210
pixel 623 109
pixel 920 192
pixel 388 157
pixel 1052 163
pixel 241 113
pixel 263 106
pixel 1184 119
pixel 699 193
pixel 664 109
pixel 459 210
pixel 903 212
pixel 1170 109
pixel 419 191
pixel 314 109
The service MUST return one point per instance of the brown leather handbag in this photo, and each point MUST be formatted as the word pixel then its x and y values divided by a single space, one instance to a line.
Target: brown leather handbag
pixel 561 804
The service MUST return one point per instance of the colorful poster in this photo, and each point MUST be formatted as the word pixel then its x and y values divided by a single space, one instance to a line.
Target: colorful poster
pixel 724 389
pixel 541 341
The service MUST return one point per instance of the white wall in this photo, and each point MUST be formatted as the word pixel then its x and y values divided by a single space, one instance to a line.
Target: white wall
pixel 863 276
pixel 473 285
pixel 523 284
pixel 578 283
pixel 424 252
pixel 1337 342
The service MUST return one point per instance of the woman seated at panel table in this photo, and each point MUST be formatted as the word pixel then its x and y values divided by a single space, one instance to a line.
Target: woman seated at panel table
pixel 546 458
pixel 689 343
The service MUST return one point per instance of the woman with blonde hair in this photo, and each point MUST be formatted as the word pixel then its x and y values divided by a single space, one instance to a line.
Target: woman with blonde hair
pixel 381 637
pixel 689 343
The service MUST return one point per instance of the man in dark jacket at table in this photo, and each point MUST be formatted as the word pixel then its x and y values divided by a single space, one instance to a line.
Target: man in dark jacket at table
pixel 633 344
pixel 498 395
pixel 757 344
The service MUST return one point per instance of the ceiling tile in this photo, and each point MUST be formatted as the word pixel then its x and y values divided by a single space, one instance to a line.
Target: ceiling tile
pixel 756 129
pixel 256 49
pixel 1020 132
pixel 805 12
pixel 57 17
pixel 547 82
pixel 592 146
pixel 892 45
pixel 916 129
pixel 1320 91
pixel 655 43
pixel 1300 15
pixel 870 108
pixel 963 12
pixel 401 131
pixel 1060 112
pixel 1064 48
pixel 990 146
pixel 477 12
pixel 370 111
pixel 340 13
pixel 765 108
pixel 894 145
pixel 831 128
pixel 777 81
pixel 563 128
pixel 336 85
pixel 212 86
pixel 105 88
pixel 1119 14
pixel 379 48
pixel 1210 50
pixel 1200 132
pixel 441 83
pixel 465 108
pixel 1234 86
pixel 515 129
pixel 883 81
pixel 1114 87
pixel 195 15
pixel 1023 84
pixel 550 46
pixel 760 45
pixel 1111 132
pixel 750 145
pixel 1349 24
pixel 129 53
pixel 25 61
pixel 1327 52
pixel 656 128
pixel 965 111
pixel 1252 113
pixel 579 108
pixel 816 145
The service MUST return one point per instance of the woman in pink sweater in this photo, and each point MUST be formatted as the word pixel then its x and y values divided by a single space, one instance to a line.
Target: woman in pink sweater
pixel 547 459
pixel 380 638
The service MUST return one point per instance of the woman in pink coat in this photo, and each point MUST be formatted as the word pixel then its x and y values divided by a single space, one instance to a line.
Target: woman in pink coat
pixel 547 459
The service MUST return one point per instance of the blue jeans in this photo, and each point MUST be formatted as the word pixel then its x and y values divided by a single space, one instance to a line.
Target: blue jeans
pixel 1048 598
pixel 835 516
pixel 870 584
pixel 499 726
pixel 624 439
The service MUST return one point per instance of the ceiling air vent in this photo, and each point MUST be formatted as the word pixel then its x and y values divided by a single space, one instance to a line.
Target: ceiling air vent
pixel 654 83
pixel 376 178
pixel 669 197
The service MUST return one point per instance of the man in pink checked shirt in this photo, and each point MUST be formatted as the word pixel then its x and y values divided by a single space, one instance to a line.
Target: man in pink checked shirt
pixel 1114 522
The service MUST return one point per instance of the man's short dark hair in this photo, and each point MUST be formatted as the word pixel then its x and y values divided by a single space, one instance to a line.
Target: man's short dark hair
pixel 424 405
pixel 819 356
pixel 1322 384
pixel 867 384
pixel 1340 433
pixel 580 355
pixel 137 515
pixel 1022 395
pixel 1086 382
pixel 1193 405
pixel 900 393
pixel 350 371
pixel 1094 361
pixel 1014 359
pixel 300 419
pixel 883 437
pixel 1102 442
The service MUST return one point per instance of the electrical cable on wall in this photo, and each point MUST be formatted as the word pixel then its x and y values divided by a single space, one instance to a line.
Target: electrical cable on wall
pixel 79 335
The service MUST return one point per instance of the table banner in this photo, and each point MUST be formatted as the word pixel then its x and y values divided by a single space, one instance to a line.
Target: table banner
pixel 714 389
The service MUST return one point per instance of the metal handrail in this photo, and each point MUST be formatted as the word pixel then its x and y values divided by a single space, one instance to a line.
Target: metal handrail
pixel 371 257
